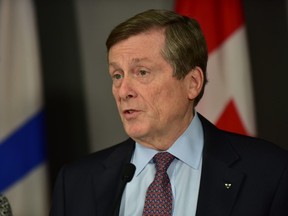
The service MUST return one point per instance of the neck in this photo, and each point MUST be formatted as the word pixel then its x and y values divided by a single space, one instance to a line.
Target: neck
pixel 164 142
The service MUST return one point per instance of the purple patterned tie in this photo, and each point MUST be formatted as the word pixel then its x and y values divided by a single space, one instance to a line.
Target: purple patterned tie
pixel 159 194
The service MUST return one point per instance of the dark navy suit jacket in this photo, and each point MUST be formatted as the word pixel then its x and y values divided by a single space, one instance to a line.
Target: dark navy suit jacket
pixel 241 176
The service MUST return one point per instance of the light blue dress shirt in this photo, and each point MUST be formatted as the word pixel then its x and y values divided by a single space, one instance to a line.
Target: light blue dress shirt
pixel 184 173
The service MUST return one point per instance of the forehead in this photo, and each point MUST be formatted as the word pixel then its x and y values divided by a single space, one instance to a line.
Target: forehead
pixel 140 45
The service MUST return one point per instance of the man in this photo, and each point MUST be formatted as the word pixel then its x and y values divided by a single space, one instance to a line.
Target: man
pixel 157 61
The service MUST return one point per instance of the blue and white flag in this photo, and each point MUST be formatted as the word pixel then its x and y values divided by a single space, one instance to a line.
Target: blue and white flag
pixel 23 174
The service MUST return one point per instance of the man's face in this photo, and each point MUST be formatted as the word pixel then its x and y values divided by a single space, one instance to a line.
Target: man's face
pixel 154 106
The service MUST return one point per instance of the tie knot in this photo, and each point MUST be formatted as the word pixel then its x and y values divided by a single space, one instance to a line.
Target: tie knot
pixel 162 161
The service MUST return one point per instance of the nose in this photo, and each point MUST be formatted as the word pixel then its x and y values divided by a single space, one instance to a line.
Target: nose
pixel 127 89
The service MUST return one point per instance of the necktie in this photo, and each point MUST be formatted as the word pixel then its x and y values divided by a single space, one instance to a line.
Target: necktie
pixel 159 194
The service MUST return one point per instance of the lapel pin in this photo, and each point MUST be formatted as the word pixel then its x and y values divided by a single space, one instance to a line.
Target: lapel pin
pixel 228 185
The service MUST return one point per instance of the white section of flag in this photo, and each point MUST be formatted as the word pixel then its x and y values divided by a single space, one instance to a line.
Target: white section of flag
pixel 29 197
pixel 21 97
pixel 20 83
pixel 229 77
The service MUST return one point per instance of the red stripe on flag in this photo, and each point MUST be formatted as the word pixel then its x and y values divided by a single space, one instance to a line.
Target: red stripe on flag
pixel 230 120
pixel 218 18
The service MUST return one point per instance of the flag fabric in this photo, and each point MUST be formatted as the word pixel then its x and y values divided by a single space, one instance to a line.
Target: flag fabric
pixel 228 97
pixel 23 176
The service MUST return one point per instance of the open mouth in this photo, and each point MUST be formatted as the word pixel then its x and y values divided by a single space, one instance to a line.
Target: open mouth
pixel 129 111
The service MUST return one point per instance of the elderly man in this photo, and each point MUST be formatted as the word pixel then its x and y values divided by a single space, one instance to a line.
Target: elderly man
pixel 184 164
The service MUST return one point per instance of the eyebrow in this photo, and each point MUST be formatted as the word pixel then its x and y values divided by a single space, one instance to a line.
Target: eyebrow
pixel 114 64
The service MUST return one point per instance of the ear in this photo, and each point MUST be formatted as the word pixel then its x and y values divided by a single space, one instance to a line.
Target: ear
pixel 195 81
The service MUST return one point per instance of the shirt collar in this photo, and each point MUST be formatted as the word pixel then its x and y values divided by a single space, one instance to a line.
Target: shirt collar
pixel 187 148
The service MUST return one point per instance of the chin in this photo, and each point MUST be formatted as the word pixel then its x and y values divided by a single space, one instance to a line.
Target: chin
pixel 135 132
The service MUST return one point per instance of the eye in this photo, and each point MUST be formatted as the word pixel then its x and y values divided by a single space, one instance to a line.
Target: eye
pixel 143 72
pixel 117 76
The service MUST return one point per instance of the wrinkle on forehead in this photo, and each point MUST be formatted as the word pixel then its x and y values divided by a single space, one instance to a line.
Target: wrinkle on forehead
pixel 143 48
pixel 133 61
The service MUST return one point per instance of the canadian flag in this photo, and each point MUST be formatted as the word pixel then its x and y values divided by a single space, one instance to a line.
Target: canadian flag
pixel 228 97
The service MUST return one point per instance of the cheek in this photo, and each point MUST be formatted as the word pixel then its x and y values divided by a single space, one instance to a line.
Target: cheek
pixel 117 100
pixel 115 95
pixel 113 91
pixel 161 100
pixel 170 100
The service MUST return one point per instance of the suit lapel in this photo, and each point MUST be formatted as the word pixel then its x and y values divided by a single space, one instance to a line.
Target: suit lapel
pixel 220 183
pixel 109 180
